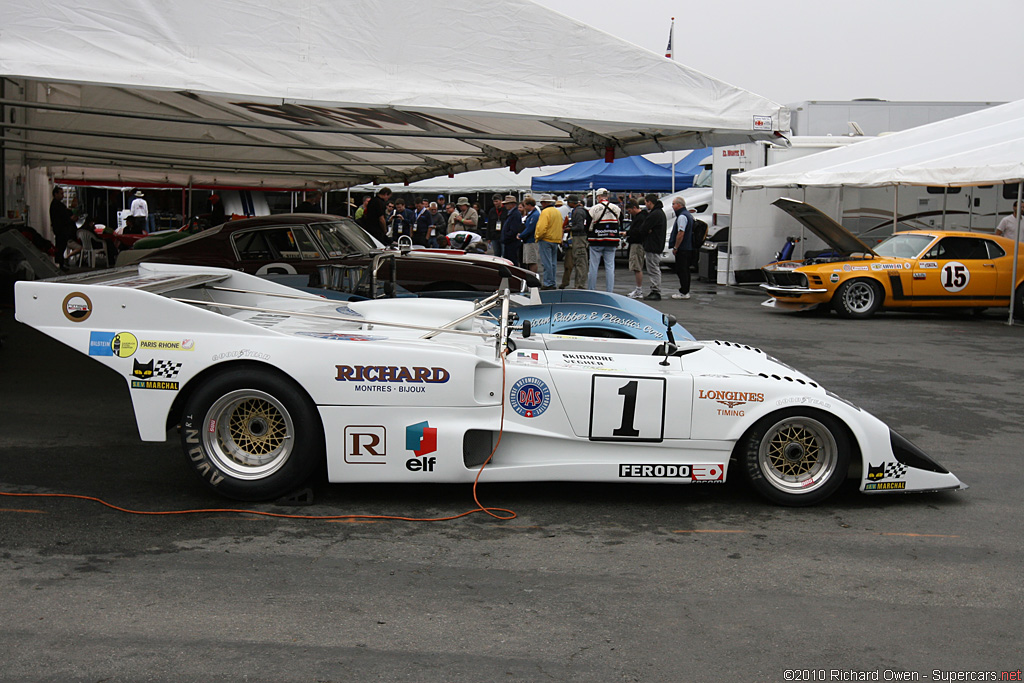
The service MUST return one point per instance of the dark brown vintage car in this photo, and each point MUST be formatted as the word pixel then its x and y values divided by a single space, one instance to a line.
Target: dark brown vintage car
pixel 305 243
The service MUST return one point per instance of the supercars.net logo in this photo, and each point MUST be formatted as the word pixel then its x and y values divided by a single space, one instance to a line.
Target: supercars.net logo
pixel 421 439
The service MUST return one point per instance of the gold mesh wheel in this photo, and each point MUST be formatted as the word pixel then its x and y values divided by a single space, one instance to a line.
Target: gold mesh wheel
pixel 798 455
pixel 248 433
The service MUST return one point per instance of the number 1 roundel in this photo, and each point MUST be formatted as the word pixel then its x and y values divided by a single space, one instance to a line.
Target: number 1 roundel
pixel 955 276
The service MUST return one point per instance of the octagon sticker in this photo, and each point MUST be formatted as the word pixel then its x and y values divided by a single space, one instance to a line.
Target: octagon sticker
pixel 77 307
pixel 530 397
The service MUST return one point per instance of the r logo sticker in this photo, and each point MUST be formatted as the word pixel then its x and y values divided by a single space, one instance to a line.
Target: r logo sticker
pixel 366 444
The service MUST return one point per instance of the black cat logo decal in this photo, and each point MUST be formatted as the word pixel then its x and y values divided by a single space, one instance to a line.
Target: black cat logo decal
pixel 144 370
pixel 876 473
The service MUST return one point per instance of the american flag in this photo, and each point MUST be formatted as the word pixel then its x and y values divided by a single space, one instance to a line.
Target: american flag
pixel 671 30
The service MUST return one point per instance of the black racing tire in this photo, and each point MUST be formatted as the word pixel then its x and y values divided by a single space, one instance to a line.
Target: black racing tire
pixel 1018 302
pixel 796 456
pixel 251 435
pixel 860 298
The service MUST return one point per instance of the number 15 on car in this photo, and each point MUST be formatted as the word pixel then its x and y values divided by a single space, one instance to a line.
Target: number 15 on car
pixel 625 408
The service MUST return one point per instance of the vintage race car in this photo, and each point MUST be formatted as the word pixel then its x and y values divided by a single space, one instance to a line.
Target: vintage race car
pixel 266 383
pixel 909 270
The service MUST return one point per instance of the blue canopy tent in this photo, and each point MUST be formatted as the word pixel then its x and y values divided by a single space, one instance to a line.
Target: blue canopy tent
pixel 626 174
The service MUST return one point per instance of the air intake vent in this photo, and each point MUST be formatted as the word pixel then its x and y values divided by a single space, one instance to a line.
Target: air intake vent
pixel 739 346
pixel 786 378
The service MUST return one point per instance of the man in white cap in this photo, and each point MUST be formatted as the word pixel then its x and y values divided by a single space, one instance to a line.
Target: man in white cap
pixel 549 236
pixel 605 219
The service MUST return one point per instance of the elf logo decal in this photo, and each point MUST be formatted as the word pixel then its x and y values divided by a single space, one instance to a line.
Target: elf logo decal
pixel 77 307
pixel 530 397
pixel 366 444
pixel 955 276
pixel 421 439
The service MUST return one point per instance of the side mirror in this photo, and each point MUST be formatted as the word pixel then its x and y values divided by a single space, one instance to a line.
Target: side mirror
pixel 527 327
pixel 669 321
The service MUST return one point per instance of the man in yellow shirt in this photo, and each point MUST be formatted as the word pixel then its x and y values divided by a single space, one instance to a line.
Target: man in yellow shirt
pixel 549 236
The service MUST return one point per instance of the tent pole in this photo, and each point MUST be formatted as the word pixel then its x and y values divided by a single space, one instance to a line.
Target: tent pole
pixel 673 172
pixel 1016 252
pixel 3 153
pixel 945 194
pixel 895 206
pixel 970 210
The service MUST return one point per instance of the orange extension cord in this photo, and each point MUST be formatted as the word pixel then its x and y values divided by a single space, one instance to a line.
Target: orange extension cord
pixel 498 513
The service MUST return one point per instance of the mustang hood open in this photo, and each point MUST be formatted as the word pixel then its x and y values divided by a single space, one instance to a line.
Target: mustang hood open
pixel 832 233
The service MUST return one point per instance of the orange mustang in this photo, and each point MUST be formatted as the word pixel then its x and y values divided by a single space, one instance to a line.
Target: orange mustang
pixel 914 269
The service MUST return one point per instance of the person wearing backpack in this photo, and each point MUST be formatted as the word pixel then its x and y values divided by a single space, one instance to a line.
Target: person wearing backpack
pixel 605 219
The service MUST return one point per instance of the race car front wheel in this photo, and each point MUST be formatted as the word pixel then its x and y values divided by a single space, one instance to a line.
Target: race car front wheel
pixel 251 435
pixel 859 298
pixel 796 456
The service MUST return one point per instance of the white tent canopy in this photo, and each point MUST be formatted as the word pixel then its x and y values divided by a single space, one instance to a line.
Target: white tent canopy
pixel 294 94
pixel 981 148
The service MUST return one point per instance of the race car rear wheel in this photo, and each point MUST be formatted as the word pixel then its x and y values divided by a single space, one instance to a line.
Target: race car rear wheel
pixel 796 456
pixel 250 435
pixel 859 298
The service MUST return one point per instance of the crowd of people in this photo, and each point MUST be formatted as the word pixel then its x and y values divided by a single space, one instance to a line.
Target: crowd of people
pixel 529 231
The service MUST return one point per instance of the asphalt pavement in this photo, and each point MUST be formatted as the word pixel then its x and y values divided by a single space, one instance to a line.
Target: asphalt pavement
pixel 588 583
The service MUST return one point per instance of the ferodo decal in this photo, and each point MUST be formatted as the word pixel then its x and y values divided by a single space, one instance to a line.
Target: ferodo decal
pixel 707 474
pixel 530 397
pixel 955 276
pixel 77 307
pixel 659 471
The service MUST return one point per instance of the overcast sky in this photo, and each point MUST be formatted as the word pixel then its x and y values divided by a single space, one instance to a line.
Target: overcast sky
pixel 796 50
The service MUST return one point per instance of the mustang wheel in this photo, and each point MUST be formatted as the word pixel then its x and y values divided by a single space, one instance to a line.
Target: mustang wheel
pixel 796 457
pixel 251 436
pixel 857 298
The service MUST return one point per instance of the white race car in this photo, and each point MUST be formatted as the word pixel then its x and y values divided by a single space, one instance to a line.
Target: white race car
pixel 266 381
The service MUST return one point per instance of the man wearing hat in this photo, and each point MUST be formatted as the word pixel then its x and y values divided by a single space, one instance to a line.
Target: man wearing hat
pixel 604 239
pixel 549 236
pixel 140 212
pixel 465 216
pixel 511 226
